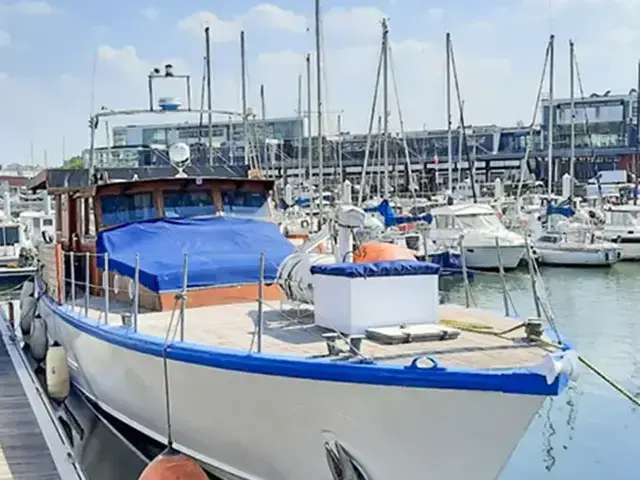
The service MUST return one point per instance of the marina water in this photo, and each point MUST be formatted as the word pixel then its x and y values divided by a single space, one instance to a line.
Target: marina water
pixel 588 432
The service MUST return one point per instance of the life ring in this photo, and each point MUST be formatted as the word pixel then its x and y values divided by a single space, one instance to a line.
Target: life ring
pixel 304 223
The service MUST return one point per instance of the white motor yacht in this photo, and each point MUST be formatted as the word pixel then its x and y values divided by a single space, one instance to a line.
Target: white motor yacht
pixel 622 225
pixel 479 226
pixel 576 248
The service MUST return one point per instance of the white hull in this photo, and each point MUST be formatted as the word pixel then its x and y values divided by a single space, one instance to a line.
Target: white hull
pixel 486 257
pixel 630 251
pixel 259 426
pixel 576 257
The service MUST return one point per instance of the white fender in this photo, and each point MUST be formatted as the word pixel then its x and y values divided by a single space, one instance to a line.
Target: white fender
pixel 27 312
pixel 38 339
pixel 58 383
pixel 27 290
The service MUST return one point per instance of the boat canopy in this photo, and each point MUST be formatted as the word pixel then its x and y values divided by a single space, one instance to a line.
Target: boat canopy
pixel 222 251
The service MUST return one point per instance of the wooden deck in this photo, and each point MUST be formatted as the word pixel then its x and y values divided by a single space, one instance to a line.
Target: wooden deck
pixel 24 453
pixel 291 333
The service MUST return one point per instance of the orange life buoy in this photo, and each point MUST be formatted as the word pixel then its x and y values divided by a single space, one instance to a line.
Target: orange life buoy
pixel 381 252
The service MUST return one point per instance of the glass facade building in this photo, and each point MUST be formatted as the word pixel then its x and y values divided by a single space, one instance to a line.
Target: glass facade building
pixel 600 122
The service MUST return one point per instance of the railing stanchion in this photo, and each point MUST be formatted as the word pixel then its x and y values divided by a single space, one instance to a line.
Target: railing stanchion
pixel 183 302
pixel 105 285
pixel 261 303
pixel 465 274
pixel 505 293
pixel 72 264
pixel 87 282
pixel 532 273
pixel 136 293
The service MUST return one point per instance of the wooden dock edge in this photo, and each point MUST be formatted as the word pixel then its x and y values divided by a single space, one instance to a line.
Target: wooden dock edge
pixel 54 436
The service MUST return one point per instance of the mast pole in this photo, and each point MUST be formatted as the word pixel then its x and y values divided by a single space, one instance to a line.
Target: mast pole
pixel 209 97
pixel 449 133
pixel 319 106
pixel 385 105
pixel 572 112
pixel 551 118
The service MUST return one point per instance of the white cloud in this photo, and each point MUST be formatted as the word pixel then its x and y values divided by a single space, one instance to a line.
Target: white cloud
pixel 264 15
pixel 5 39
pixel 26 7
pixel 150 13
pixel 222 31
pixel 435 13
pixel 498 77
pixel 354 23
pixel 3 76
pixel 272 16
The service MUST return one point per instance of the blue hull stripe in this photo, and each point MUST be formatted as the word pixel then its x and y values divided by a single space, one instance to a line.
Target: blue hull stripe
pixel 514 381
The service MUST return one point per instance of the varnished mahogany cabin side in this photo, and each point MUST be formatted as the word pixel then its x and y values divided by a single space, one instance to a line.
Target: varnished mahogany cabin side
pixel 80 217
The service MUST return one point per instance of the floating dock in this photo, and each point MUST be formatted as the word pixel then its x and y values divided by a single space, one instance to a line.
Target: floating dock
pixel 32 444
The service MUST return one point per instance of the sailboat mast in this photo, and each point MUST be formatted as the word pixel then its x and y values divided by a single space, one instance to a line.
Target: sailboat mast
pixel 301 134
pixel 449 134
pixel 635 194
pixel 340 175
pixel 309 130
pixel 385 105
pixel 243 75
pixel 551 118
pixel 319 106
pixel 572 112
pixel 209 98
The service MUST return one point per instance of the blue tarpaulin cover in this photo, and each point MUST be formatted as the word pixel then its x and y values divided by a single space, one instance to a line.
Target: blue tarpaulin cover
pixel 221 251
pixel 560 210
pixel 394 268
pixel 391 219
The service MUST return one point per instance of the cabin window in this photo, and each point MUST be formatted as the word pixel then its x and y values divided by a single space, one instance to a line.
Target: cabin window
pixel 241 202
pixel 117 209
pixel 188 204
pixel 9 236
pixel 444 221
pixel 89 226
pixel 47 222
pixel 549 239
pixel 58 199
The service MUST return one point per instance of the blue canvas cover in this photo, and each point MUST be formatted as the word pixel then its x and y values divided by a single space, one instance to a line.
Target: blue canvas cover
pixel 391 219
pixel 394 268
pixel 221 251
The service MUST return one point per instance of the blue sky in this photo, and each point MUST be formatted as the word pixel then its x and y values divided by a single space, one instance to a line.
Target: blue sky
pixel 47 52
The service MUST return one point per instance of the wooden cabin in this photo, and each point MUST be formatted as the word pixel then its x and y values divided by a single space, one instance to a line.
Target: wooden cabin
pixel 83 212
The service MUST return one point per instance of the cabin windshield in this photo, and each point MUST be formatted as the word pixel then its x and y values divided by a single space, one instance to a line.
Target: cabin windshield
pixel 119 209
pixel 9 236
pixel 242 203
pixel 188 204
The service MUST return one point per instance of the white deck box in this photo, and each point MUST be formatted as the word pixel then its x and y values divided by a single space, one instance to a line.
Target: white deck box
pixel 352 298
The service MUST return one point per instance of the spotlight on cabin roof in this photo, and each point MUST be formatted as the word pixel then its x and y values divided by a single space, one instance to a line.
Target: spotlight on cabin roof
pixel 180 157
pixel 168 70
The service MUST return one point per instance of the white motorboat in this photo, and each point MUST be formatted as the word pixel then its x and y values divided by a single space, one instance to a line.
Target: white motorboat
pixel 479 227
pixel 181 316
pixel 373 382
pixel 576 248
pixel 622 226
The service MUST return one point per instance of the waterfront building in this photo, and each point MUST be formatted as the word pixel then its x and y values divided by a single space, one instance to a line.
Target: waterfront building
pixel 605 126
